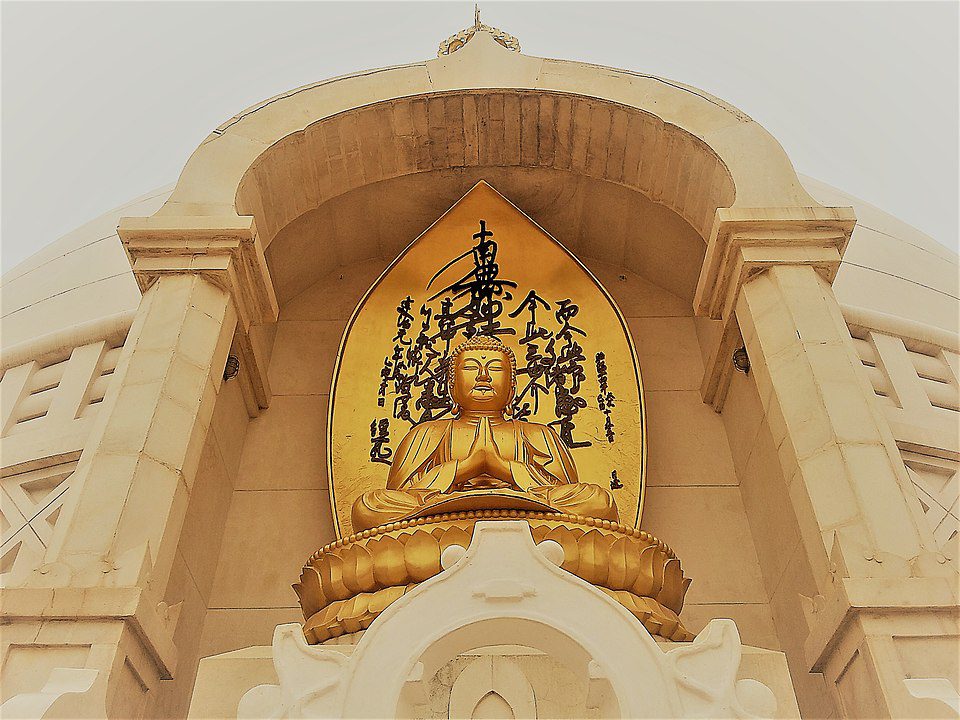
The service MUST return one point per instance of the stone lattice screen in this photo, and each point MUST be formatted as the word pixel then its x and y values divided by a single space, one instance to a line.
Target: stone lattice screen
pixel 47 408
pixel 914 372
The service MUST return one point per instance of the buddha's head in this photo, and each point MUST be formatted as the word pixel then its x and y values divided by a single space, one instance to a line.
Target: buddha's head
pixel 482 374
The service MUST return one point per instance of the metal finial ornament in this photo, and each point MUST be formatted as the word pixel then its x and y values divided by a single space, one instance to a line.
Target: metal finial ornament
pixel 455 42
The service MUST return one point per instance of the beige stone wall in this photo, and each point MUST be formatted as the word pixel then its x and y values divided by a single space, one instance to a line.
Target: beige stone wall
pixel 894 268
pixel 785 568
pixel 279 509
pixel 198 552
pixel 82 276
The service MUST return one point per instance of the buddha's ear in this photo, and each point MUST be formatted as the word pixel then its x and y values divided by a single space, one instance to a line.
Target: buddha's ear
pixel 514 379
pixel 454 405
pixel 448 376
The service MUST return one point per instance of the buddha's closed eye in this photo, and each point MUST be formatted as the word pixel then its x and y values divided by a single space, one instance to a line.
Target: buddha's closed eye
pixel 474 366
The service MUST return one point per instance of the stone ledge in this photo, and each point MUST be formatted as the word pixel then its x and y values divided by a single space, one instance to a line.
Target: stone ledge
pixel 129 605
pixel 876 596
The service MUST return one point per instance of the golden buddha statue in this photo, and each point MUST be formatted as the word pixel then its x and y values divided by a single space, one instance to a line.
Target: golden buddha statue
pixel 480 459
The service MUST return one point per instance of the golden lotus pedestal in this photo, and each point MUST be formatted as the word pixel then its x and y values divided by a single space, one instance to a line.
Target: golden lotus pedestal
pixel 345 585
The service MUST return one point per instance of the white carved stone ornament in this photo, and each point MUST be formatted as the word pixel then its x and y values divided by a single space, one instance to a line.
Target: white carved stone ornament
pixel 505 590
pixel 61 682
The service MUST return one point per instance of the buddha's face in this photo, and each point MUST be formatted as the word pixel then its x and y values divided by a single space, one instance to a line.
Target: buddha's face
pixel 482 380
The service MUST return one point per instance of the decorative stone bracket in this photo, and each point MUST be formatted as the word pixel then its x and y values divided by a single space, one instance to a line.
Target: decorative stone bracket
pixel 227 252
pixel 745 242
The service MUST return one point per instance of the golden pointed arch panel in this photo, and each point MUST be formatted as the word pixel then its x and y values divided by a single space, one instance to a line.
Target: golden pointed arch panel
pixel 486 268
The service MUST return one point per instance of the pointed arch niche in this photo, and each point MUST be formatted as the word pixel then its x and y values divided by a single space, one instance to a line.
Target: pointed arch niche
pixel 492 687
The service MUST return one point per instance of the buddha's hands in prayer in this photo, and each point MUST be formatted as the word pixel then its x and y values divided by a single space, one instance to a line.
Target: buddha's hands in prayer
pixel 484 467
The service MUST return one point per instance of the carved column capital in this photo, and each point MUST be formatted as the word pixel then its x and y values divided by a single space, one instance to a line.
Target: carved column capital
pixel 227 252
pixel 744 243
pixel 224 250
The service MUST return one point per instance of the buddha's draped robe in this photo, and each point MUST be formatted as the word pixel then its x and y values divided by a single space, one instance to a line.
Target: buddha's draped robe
pixel 423 473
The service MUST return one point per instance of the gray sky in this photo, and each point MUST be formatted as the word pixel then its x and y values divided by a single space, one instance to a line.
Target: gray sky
pixel 103 102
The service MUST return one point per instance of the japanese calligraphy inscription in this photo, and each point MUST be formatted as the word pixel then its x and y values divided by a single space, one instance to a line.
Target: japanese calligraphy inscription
pixel 484 269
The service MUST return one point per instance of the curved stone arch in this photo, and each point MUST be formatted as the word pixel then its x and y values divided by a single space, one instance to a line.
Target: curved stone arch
pixel 565 646
pixel 732 159
pixel 478 680
pixel 505 591
pixel 595 138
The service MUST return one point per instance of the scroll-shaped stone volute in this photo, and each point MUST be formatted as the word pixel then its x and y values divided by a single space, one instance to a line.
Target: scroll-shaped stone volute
pixel 706 677
pixel 310 681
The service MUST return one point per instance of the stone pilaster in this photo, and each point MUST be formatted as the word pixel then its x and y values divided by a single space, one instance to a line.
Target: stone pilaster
pixel 767 276
pixel 227 253
pixel 96 599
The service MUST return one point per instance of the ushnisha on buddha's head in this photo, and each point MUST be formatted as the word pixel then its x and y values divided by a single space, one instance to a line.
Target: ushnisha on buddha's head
pixel 482 375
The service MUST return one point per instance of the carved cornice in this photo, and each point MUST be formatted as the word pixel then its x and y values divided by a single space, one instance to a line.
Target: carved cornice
pixel 743 243
pixel 226 251
pixel 870 586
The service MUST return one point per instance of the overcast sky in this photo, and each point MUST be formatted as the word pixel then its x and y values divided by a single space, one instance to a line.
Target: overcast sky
pixel 103 102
